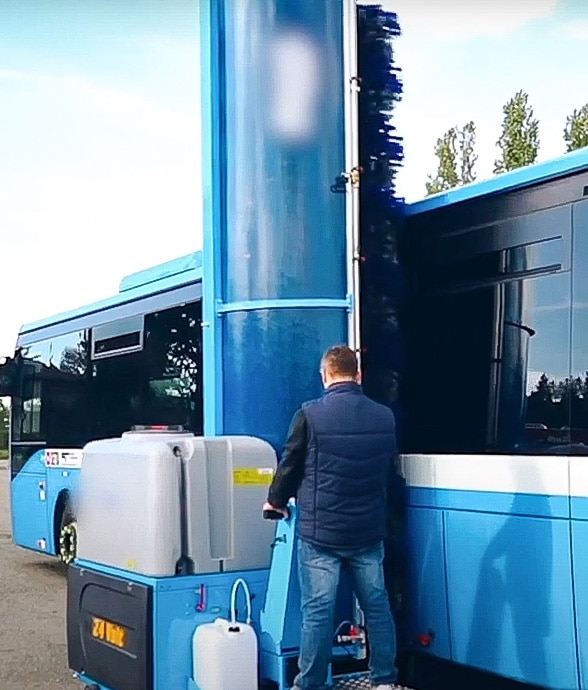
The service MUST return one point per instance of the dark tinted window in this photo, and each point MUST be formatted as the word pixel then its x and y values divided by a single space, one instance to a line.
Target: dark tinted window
pixel 537 367
pixel 447 387
pixel 491 369
pixel 174 360
pixel 579 383
pixel 63 399
pixel 160 384
pixel 51 404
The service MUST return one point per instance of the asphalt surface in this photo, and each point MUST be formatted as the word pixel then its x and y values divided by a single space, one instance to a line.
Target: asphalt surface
pixel 33 652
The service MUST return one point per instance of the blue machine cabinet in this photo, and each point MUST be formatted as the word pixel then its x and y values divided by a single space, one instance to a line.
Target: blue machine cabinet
pixel 160 616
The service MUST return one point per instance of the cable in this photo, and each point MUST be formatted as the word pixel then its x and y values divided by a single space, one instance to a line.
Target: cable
pixel 240 581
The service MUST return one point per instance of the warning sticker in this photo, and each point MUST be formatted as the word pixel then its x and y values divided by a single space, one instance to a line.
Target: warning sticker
pixel 253 476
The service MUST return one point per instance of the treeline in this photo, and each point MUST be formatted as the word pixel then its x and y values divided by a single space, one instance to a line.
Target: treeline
pixel 518 144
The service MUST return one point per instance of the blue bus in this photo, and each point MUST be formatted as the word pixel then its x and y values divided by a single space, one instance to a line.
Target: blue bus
pixel 496 442
pixel 93 373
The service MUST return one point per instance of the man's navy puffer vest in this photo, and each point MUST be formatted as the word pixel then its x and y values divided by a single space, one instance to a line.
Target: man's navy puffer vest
pixel 342 499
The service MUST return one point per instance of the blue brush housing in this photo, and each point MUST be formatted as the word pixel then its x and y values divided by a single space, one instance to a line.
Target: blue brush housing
pixel 275 284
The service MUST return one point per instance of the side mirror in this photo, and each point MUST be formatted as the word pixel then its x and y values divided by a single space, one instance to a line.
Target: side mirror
pixel 7 377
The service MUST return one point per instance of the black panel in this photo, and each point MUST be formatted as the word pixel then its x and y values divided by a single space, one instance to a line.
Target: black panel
pixel 497 325
pixel 118 343
pixel 497 207
pixel 109 629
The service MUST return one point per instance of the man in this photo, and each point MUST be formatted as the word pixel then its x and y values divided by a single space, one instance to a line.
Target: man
pixel 339 461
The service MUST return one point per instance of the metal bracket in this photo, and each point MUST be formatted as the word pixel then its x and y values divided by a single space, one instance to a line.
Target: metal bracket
pixel 341 181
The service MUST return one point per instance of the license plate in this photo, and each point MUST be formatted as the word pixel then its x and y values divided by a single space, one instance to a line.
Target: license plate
pixel 109 632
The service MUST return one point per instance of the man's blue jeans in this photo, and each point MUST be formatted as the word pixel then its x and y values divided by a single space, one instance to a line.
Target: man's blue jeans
pixel 318 573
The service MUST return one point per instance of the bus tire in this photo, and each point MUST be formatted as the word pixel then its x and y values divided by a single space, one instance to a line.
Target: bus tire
pixel 68 536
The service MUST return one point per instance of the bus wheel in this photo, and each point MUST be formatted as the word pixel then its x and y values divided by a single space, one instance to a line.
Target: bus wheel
pixel 68 538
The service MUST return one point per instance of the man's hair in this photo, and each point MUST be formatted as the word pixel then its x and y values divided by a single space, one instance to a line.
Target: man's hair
pixel 340 360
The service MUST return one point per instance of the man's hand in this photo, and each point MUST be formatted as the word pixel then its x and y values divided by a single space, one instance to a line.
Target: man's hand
pixel 284 511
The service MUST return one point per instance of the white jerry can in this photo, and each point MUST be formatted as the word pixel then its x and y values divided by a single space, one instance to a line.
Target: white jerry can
pixel 225 653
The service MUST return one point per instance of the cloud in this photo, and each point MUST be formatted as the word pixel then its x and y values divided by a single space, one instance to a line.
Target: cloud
pixel 456 20
pixel 98 181
pixel 12 74
pixel 68 241
pixel 112 102
pixel 577 30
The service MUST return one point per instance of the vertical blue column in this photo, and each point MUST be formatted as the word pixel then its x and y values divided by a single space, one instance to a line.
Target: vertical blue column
pixel 275 238
pixel 212 119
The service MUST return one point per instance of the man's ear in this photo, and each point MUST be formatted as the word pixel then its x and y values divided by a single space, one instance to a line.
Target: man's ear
pixel 358 377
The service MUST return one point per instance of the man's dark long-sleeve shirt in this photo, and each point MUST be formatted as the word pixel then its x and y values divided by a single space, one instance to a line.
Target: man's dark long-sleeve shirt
pixel 290 470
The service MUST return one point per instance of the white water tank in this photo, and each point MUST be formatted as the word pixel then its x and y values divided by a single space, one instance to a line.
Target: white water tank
pixel 128 503
pixel 225 656
pixel 128 506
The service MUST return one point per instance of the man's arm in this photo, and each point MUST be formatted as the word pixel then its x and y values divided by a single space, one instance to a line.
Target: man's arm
pixel 290 470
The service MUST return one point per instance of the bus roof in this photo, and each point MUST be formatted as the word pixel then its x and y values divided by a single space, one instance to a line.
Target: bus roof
pixel 568 164
pixel 167 276
pixel 191 263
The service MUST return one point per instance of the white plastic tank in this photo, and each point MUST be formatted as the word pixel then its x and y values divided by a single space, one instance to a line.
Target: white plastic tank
pixel 128 502
pixel 131 489
pixel 225 652
pixel 227 479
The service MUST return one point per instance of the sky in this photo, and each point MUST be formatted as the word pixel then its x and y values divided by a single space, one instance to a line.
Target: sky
pixel 99 125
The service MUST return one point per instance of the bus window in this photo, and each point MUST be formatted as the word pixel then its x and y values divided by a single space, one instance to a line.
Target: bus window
pixel 50 399
pixel 160 384
pixel 174 363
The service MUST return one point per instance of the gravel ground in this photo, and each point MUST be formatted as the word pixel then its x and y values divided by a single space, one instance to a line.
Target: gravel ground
pixel 33 651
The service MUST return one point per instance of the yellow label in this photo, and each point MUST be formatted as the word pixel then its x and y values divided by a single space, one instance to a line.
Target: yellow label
pixel 253 476
pixel 109 632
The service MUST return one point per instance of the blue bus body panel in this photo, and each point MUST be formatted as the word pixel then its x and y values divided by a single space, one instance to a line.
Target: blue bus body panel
pixel 428 589
pixel 520 178
pixel 579 507
pixel 491 502
pixel 580 574
pixel 498 575
pixel 510 596
pixel 29 504
pixel 35 491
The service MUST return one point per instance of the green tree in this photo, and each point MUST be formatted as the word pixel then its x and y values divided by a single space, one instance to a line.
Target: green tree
pixel 455 152
pixel 3 427
pixel 446 176
pixel 519 140
pixel 576 129
pixel 468 159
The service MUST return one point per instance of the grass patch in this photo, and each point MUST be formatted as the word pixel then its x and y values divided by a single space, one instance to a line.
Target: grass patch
pixel 3 455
